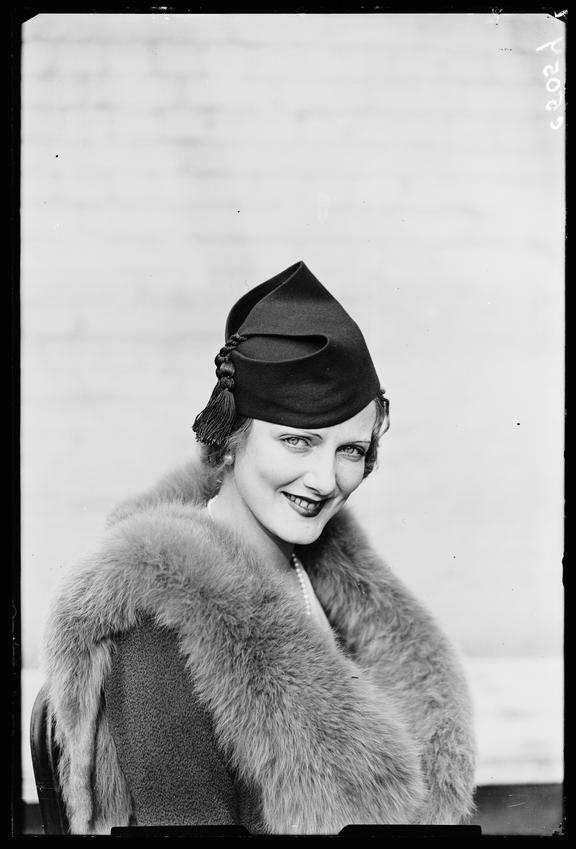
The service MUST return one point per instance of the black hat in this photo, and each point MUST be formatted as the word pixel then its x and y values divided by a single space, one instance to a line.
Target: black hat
pixel 292 356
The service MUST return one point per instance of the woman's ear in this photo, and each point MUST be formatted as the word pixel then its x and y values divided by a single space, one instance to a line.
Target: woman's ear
pixel 228 459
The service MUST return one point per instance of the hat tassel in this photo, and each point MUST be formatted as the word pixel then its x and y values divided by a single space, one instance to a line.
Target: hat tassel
pixel 216 421
pixel 214 424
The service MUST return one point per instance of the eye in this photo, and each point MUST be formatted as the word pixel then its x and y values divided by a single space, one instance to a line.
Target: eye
pixel 355 452
pixel 298 442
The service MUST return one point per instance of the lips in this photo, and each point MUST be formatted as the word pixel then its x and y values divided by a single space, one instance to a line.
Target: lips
pixel 304 506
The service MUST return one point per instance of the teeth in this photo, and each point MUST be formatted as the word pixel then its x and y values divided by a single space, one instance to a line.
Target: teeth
pixel 304 502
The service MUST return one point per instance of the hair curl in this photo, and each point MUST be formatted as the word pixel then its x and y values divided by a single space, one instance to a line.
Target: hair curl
pixel 214 456
pixel 381 425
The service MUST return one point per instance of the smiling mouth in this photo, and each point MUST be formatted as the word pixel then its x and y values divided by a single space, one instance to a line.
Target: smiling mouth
pixel 304 506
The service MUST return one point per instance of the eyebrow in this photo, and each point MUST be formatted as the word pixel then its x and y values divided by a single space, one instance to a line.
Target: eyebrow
pixel 304 432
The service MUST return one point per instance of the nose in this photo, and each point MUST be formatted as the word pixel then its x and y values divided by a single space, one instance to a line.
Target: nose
pixel 320 475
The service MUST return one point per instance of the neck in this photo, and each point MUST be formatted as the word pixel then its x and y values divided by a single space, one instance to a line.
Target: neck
pixel 229 509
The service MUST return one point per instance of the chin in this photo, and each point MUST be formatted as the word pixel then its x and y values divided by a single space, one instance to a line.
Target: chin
pixel 305 535
pixel 306 538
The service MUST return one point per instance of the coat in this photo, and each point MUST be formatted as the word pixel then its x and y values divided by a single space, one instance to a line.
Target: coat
pixel 179 668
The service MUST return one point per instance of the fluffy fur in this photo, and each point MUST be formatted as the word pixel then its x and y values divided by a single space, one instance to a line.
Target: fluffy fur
pixel 375 731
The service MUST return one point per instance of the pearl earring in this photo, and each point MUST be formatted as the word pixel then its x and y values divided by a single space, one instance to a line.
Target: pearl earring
pixel 228 459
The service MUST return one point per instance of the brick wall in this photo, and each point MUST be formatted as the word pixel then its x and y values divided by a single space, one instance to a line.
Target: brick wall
pixel 170 162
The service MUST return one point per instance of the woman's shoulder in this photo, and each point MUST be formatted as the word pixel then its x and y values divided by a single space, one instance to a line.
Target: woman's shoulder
pixel 193 483
pixel 167 538
pixel 162 528
pixel 158 552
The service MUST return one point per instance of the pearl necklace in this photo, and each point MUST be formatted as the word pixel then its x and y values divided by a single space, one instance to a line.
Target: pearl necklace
pixel 299 569
pixel 300 573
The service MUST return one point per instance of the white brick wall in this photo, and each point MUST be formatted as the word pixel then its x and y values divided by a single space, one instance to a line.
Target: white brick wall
pixel 170 162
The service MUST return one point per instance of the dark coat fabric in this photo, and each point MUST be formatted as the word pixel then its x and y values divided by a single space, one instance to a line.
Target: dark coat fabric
pixel 187 687
pixel 168 752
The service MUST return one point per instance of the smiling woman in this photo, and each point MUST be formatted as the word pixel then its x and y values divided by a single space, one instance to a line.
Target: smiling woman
pixel 292 482
pixel 235 652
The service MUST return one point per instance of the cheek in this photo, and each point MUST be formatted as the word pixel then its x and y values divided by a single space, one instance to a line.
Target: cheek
pixel 263 469
pixel 350 476
pixel 275 464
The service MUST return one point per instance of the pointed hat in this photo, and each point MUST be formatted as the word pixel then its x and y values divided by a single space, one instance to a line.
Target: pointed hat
pixel 292 356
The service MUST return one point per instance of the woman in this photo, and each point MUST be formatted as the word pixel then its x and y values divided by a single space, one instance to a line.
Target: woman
pixel 235 652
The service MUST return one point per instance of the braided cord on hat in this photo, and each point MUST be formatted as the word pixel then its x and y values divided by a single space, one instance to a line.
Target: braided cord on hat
pixel 214 424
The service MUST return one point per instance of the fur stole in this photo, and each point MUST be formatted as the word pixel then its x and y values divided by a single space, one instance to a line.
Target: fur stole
pixel 375 731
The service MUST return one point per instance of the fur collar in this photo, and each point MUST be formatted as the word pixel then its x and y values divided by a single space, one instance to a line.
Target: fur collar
pixel 377 732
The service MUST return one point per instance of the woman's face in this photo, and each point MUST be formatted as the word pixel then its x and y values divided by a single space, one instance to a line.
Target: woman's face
pixel 291 481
